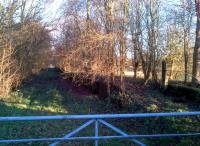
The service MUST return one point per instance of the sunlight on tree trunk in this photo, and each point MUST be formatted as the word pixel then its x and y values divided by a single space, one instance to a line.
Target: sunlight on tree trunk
pixel 196 57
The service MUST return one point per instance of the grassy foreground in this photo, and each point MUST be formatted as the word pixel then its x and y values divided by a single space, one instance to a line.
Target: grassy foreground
pixel 45 95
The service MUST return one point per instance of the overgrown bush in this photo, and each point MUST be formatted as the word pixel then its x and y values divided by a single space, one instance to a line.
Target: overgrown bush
pixel 122 100
pixel 24 43
pixel 183 92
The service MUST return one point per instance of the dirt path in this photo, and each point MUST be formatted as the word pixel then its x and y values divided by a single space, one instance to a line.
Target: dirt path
pixel 54 79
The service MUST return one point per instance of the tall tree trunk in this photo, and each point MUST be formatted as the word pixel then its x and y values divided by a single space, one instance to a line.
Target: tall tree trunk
pixel 186 24
pixel 137 38
pixel 108 5
pixel 136 64
pixel 185 57
pixel 123 46
pixel 196 57
pixel 122 63
pixel 154 18
pixel 88 9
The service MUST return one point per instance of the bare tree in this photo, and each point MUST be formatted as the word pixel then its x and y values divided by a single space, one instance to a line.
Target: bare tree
pixel 136 32
pixel 23 36
pixel 186 16
pixel 196 61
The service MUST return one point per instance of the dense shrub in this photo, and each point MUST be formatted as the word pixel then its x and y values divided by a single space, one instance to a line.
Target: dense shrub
pixel 121 100
pixel 183 92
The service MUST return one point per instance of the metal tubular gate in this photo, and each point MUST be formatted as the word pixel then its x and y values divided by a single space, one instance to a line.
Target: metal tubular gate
pixel 96 120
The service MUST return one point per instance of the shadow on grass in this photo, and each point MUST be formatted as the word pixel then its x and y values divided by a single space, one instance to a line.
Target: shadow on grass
pixel 34 129
pixel 47 89
pixel 46 94
pixel 58 128
pixel 44 129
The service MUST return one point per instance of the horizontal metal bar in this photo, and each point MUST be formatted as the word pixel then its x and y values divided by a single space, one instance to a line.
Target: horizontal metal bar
pixel 120 132
pixel 106 116
pixel 74 131
pixel 99 138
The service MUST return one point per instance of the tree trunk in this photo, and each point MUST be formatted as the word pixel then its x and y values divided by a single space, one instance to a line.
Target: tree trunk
pixel 135 65
pixel 122 64
pixel 111 46
pixel 185 58
pixel 196 57
pixel 164 74
pixel 88 9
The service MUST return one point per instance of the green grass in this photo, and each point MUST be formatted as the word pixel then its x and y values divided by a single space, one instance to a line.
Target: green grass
pixel 46 96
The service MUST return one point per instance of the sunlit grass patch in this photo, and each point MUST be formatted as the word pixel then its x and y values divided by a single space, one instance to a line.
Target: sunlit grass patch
pixel 43 97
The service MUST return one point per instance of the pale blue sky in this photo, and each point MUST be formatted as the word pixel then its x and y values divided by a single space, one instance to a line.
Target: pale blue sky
pixel 55 5
pixel 52 9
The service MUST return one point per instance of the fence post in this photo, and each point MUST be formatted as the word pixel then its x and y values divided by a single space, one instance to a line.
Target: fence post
pixel 164 74
pixel 96 132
